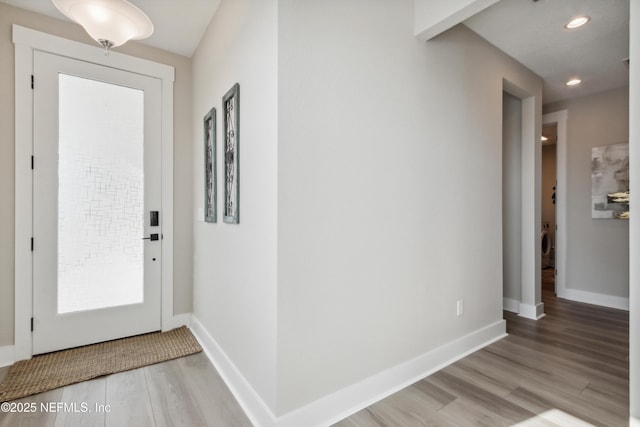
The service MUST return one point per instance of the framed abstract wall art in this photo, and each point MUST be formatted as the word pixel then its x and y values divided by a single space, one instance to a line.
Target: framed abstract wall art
pixel 210 181
pixel 231 132
pixel 610 181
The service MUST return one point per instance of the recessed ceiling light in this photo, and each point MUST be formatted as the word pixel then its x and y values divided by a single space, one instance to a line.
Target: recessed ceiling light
pixel 573 82
pixel 577 22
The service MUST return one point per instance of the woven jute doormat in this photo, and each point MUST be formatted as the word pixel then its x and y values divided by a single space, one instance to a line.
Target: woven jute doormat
pixel 62 368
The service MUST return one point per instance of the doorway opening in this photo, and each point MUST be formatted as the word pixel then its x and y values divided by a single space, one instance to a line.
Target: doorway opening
pixel 511 202
pixel 548 187
pixel 96 138
pixel 553 199
pixel 27 42
pixel 520 202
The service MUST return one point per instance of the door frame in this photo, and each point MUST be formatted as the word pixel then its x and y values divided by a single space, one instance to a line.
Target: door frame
pixel 530 305
pixel 560 118
pixel 26 41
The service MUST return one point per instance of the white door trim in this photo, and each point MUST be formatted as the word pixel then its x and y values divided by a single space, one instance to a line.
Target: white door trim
pixel 26 41
pixel 560 117
pixel 530 304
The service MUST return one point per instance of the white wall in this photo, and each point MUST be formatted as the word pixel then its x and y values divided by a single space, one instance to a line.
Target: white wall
pixel 235 265
pixel 597 249
pixel 511 201
pixel 634 232
pixel 183 217
pixel 389 199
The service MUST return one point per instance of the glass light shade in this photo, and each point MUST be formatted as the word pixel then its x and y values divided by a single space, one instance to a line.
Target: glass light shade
pixel 577 22
pixel 112 22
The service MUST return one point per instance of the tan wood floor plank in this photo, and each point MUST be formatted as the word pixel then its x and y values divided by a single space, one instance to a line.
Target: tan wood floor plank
pixel 128 399
pixel 515 373
pixel 436 397
pixel 407 408
pixel 81 403
pixel 534 366
pixel 464 412
pixel 204 381
pixel 471 392
pixel 604 398
pixel 363 418
pixel 540 401
pixel 172 402
pixel 559 359
pixel 564 345
pixel 36 418
pixel 482 377
pixel 616 342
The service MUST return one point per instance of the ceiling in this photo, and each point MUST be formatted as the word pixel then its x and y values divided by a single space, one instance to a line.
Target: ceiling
pixel 530 31
pixel 533 33
pixel 179 24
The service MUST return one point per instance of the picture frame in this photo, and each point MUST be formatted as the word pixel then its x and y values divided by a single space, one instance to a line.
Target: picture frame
pixel 210 169
pixel 231 133
pixel 610 181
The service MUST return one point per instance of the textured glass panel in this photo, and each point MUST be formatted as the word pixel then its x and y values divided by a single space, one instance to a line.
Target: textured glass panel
pixel 100 195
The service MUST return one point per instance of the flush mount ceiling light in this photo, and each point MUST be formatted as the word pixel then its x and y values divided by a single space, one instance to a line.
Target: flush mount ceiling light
pixel 577 22
pixel 109 22
pixel 573 82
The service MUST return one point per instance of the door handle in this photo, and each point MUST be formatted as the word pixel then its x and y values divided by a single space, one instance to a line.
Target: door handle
pixel 152 237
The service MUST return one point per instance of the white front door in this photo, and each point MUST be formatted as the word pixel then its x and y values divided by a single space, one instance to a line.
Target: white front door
pixel 96 181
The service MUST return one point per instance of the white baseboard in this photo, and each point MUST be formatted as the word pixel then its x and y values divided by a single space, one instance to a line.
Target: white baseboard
pixel 347 401
pixel 177 321
pixel 255 408
pixel 530 311
pixel 510 304
pixel 587 297
pixel 7 357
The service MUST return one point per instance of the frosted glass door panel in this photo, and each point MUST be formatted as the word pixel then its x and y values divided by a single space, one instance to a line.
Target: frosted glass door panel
pixel 97 134
pixel 100 195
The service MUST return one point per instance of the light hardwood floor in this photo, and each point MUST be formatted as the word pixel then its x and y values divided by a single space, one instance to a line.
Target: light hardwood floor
pixel 570 368
pixel 182 392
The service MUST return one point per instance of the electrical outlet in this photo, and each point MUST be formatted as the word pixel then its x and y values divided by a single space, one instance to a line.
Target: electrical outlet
pixel 459 307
